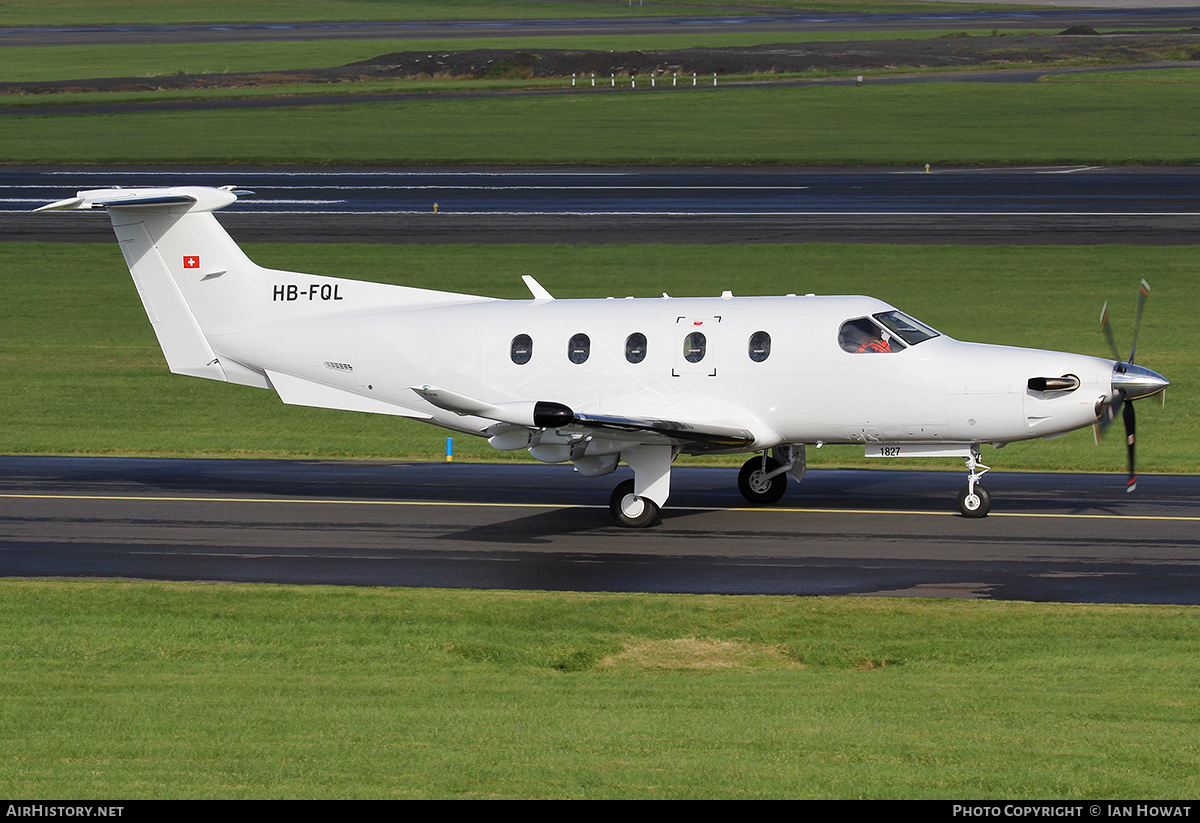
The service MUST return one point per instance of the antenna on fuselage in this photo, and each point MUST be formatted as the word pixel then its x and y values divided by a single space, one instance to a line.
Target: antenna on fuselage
pixel 536 289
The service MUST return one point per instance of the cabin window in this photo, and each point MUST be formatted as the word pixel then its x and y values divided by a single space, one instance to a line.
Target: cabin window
pixel 635 347
pixel 862 336
pixel 578 349
pixel 760 346
pixel 522 349
pixel 693 347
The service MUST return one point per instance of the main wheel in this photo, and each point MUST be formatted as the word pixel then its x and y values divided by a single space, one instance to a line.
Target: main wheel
pixel 629 510
pixel 974 505
pixel 757 490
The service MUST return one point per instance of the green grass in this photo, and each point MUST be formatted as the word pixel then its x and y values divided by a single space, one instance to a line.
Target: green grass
pixel 1185 76
pixel 169 690
pixel 149 12
pixel 294 90
pixel 939 123
pixel 83 373
pixel 41 63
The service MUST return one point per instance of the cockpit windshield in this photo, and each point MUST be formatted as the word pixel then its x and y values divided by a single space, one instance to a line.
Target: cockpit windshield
pixel 908 329
pixel 886 332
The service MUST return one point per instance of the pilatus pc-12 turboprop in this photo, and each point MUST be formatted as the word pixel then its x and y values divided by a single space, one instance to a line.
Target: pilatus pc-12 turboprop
pixel 597 382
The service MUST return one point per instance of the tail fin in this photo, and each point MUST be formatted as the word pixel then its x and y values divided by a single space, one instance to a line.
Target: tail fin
pixel 165 233
pixel 199 288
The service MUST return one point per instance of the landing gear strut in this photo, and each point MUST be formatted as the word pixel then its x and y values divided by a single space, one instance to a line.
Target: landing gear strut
pixel 974 500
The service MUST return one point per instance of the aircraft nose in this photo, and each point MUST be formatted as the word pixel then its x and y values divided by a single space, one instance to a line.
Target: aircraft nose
pixel 1135 381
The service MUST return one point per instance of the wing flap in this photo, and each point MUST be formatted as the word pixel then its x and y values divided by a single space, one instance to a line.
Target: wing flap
pixel 544 414
pixel 725 437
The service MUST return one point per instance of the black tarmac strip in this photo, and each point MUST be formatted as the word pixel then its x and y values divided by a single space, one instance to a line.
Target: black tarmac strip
pixel 963 229
pixel 499 204
pixel 1050 537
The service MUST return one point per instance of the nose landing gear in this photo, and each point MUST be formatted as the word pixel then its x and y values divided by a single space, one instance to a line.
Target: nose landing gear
pixel 974 500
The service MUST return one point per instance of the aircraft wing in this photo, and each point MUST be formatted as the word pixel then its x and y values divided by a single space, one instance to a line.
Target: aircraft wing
pixel 544 414
pixel 679 431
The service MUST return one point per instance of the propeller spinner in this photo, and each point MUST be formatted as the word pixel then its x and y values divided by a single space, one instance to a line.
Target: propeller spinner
pixel 1129 382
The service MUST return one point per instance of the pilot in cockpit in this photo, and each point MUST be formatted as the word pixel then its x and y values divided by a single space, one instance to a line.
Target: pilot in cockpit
pixel 862 336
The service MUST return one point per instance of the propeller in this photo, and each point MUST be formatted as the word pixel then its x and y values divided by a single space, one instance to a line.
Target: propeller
pixel 1129 382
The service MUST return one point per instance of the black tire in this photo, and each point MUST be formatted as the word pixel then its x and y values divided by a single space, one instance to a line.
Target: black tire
pixel 754 489
pixel 977 505
pixel 627 512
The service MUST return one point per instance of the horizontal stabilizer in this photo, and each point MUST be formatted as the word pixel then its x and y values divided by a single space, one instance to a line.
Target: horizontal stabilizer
pixel 196 198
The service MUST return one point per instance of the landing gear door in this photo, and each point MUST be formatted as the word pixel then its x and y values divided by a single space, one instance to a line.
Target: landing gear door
pixel 694 341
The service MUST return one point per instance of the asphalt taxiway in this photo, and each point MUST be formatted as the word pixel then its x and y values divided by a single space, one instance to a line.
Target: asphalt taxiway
pixel 1043 205
pixel 1051 537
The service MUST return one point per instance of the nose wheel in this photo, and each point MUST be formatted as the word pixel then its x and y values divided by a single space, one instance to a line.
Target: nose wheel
pixel 975 503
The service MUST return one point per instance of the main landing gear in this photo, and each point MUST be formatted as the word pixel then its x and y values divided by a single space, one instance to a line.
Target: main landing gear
pixel 762 480
pixel 629 510
pixel 636 503
pixel 974 500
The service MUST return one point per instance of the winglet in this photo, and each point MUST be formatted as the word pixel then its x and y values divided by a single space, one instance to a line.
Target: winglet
pixel 536 289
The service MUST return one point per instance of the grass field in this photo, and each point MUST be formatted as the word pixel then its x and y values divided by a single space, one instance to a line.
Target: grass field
pixel 907 124
pixel 162 690
pixel 147 12
pixel 83 373
pixel 41 63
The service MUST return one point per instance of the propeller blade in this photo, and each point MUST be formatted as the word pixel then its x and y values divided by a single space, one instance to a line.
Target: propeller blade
pixel 1111 409
pixel 1130 426
pixel 1143 291
pixel 1108 335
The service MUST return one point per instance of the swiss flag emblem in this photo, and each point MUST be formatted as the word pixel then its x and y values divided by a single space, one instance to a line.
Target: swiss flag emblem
pixel 191 261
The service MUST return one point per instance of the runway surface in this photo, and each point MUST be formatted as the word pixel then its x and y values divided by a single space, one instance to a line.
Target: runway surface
pixel 1131 15
pixel 1051 537
pixel 1069 204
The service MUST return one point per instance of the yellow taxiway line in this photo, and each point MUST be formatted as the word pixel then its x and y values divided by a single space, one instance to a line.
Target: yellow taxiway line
pixel 469 504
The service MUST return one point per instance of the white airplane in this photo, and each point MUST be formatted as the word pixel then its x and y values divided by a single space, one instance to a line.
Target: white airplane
pixel 597 382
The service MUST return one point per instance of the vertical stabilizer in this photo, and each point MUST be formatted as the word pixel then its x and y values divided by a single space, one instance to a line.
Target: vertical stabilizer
pixel 205 297
pixel 177 254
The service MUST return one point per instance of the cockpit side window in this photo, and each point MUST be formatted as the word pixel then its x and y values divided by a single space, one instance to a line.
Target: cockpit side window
pixel 862 336
pixel 908 329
